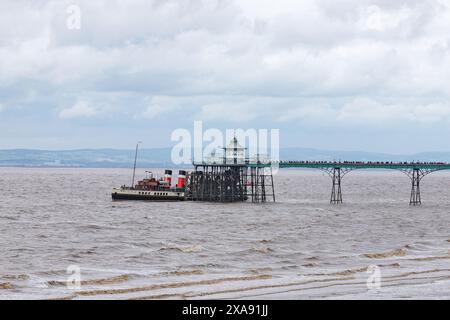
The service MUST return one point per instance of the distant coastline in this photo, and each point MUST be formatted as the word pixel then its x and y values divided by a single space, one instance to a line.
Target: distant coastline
pixel 160 157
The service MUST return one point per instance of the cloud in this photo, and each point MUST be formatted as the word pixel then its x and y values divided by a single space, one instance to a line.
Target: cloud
pixel 160 106
pixel 364 111
pixel 217 47
pixel 251 63
pixel 80 109
pixel 155 111
pixel 231 110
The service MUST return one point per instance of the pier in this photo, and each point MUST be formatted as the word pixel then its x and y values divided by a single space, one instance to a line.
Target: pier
pixel 416 171
pixel 235 178
pixel 231 178
pixel 231 183
pixel 221 181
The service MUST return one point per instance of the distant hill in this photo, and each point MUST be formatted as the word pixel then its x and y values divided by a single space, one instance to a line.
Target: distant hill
pixel 92 158
pixel 160 157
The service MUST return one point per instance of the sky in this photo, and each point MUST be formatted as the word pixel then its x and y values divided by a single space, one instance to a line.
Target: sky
pixel 341 75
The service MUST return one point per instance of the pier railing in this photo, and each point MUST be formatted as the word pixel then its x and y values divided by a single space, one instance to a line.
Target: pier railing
pixel 365 165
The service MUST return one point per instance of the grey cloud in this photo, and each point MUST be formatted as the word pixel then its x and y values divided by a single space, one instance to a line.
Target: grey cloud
pixel 284 62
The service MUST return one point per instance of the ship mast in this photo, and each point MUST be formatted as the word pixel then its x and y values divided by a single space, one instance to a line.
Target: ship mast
pixel 134 167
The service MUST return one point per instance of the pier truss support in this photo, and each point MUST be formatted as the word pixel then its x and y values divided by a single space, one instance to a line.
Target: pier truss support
pixel 261 184
pixel 218 183
pixel 230 183
pixel 336 175
pixel 415 198
pixel 416 175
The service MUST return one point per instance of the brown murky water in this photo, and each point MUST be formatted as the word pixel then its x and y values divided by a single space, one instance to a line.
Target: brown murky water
pixel 298 248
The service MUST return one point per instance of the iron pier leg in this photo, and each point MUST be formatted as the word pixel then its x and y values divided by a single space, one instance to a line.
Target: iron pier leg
pixel 336 190
pixel 415 199
pixel 273 185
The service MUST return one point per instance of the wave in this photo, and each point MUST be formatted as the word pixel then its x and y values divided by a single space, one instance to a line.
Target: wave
pixel 353 271
pixel 20 277
pixel 52 272
pixel 171 285
pixel 412 273
pixel 263 250
pixel 191 249
pixel 325 283
pixel 259 287
pixel 313 258
pixel 431 258
pixel 184 273
pixel 102 281
pixel 261 270
pixel 342 278
pixel 160 296
pixel 310 265
pixel 394 253
pixel 6 286
pixel 328 283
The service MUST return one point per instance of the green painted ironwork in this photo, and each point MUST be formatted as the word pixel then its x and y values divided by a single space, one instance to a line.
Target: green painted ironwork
pixel 342 165
pixel 365 165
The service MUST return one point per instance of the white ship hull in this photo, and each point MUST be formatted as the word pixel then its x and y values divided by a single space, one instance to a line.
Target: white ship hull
pixel 145 195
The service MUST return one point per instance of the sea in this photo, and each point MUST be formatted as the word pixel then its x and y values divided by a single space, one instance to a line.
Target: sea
pixel 62 237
